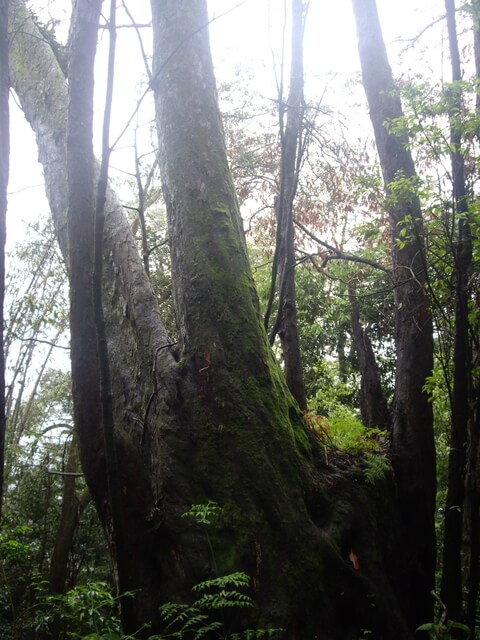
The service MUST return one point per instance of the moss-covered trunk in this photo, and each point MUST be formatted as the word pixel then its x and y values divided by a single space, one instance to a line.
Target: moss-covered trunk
pixel 246 446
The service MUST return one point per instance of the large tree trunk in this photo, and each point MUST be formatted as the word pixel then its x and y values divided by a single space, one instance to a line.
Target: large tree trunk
pixel 218 422
pixel 4 166
pixel 413 447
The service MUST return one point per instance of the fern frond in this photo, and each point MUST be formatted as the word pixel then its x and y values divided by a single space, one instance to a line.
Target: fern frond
pixel 236 579
pixel 223 599
pixel 204 631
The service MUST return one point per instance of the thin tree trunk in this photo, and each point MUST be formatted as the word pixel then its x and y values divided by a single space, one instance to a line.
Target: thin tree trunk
pixel 92 392
pixel 291 137
pixel 451 586
pixel 4 167
pixel 413 449
pixel 473 464
pixel 473 495
pixel 476 45
pixel 72 508
pixel 71 511
pixel 373 405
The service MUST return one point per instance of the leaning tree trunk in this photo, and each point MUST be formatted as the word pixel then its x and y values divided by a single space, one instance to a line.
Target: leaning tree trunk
pixel 218 422
pixel 4 165
pixel 413 449
pixel 139 345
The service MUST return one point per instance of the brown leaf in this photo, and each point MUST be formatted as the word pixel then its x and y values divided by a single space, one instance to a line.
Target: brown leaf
pixel 354 560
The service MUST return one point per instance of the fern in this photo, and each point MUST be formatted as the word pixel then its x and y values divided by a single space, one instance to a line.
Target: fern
pixel 255 634
pixel 223 600
pixel 205 616
pixel 376 468
pixel 236 579
pixel 194 622
pixel 204 513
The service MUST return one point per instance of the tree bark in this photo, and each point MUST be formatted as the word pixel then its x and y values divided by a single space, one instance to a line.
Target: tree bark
pixel 413 450
pixel 473 468
pixel 476 44
pixel 91 388
pixel 473 497
pixel 4 169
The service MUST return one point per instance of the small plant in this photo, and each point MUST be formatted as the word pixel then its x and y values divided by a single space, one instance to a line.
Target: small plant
pixel 87 611
pixel 350 435
pixel 204 513
pixel 199 619
pixel 376 467
pixel 441 630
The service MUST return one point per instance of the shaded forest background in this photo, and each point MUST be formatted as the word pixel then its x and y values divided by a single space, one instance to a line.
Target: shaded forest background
pixel 362 236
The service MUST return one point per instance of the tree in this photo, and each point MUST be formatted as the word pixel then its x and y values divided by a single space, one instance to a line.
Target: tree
pixel 292 149
pixel 373 404
pixel 462 385
pixel 4 155
pixel 208 418
pixel 413 446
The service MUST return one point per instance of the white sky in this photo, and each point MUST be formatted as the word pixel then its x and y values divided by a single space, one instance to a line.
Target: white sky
pixel 245 35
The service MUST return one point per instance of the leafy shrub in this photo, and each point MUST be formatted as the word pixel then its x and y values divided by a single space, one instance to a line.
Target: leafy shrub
pixel 87 611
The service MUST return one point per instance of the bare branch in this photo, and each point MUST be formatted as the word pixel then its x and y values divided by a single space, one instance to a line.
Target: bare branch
pixel 337 254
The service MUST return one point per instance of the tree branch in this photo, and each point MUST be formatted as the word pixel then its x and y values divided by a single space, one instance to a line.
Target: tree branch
pixel 337 254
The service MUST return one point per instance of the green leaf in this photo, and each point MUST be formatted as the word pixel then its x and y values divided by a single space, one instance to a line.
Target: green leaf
pixel 425 627
pixel 458 625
